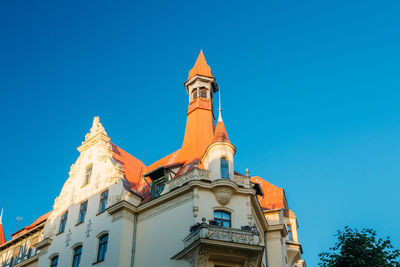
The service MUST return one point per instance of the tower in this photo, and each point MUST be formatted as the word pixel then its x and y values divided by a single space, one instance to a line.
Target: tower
pixel 201 87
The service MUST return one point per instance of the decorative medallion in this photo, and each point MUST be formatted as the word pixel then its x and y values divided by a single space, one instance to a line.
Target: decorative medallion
pixel 223 194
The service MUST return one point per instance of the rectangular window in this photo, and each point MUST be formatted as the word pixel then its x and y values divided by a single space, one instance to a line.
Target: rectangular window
pixel 103 201
pixel 82 212
pixel 222 218
pixel 157 187
pixel 88 174
pixel 63 222
pixel 290 235
pixel 203 93
pixel 101 253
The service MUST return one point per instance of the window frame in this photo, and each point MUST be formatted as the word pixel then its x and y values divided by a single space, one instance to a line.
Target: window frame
pixel 52 258
pixel 82 212
pixel 203 90
pixel 220 221
pixel 88 174
pixel 103 201
pixel 195 94
pixel 222 167
pixel 290 232
pixel 76 255
pixel 102 247
pixel 63 222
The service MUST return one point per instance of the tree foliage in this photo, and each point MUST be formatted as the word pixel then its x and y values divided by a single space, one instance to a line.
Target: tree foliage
pixel 360 248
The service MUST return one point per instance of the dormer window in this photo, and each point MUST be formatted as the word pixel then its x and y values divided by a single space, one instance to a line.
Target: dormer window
pixel 224 168
pixel 203 92
pixel 88 174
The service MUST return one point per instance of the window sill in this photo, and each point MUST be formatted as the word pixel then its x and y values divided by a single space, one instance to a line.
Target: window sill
pixel 100 212
pixel 59 233
pixel 79 223
pixel 97 262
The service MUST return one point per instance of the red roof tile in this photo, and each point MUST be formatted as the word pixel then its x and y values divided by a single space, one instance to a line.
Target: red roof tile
pixel 274 197
pixel 38 221
pixel 220 134
pixel 132 167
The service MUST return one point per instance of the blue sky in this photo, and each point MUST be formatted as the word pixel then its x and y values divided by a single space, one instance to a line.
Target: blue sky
pixel 310 93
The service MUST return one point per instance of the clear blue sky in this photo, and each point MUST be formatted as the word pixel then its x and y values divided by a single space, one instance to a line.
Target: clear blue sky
pixel 310 93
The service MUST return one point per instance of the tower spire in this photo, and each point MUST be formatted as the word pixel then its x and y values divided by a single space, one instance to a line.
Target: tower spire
pixel 219 106
pixel 200 67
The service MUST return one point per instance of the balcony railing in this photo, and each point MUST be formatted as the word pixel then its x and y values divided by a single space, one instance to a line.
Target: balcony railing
pixel 200 174
pixel 205 231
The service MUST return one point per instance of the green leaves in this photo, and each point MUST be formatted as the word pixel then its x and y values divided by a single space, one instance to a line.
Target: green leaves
pixel 360 248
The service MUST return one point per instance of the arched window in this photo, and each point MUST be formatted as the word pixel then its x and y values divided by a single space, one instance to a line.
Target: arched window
pixel 203 92
pixel 223 218
pixel 101 252
pixel 194 94
pixel 77 256
pixel 54 261
pixel 224 168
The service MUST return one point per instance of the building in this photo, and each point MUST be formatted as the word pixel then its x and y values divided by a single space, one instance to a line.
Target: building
pixel 190 208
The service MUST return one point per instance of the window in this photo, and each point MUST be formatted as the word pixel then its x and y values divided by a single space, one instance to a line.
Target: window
pixel 289 230
pixel 194 94
pixel 203 93
pixel 88 174
pixel 77 256
pixel 101 253
pixel 63 222
pixel 103 201
pixel 224 168
pixel 157 187
pixel 54 261
pixel 82 212
pixel 223 218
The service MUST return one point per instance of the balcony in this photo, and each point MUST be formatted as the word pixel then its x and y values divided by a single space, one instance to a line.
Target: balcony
pixel 201 175
pixel 217 233
pixel 208 243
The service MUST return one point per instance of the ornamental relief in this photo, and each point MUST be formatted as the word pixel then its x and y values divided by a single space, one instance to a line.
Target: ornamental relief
pixel 223 194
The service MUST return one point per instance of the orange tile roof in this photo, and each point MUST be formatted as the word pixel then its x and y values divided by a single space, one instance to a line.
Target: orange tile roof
pixel 132 167
pixel 274 197
pixel 2 236
pixel 38 221
pixel 200 67
pixel 220 134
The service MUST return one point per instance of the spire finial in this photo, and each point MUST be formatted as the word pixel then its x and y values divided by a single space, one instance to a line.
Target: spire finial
pixel 219 108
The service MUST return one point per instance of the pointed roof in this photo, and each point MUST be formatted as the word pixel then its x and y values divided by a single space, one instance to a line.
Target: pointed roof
pixel 200 67
pixel 220 134
pixel 2 236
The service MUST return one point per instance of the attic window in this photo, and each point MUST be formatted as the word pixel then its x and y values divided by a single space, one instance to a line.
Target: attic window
pixel 203 92
pixel 158 178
